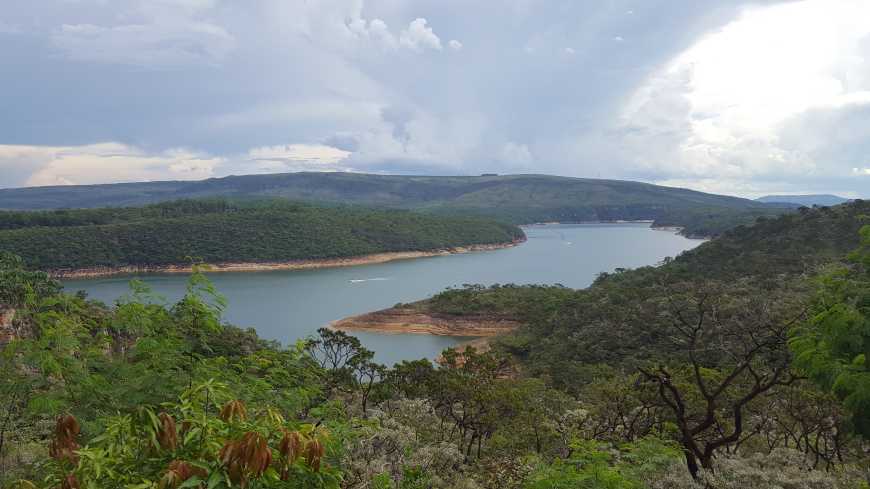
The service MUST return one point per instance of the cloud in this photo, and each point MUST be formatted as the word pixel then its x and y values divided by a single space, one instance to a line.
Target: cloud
pixel 9 28
pixel 105 163
pixel 780 94
pixel 116 162
pixel 375 30
pixel 160 34
pixel 419 36
pixel 296 157
pixel 516 154
pixel 746 95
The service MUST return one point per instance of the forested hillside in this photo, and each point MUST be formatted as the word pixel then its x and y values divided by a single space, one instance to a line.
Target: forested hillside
pixel 774 261
pixel 709 332
pixel 804 200
pixel 217 231
pixel 726 368
pixel 520 199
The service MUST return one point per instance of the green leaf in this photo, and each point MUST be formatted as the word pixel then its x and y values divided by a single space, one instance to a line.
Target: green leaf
pixel 192 482
pixel 214 479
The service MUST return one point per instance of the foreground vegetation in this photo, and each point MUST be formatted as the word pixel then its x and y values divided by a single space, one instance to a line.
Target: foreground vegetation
pixel 740 364
pixel 219 231
pixel 518 199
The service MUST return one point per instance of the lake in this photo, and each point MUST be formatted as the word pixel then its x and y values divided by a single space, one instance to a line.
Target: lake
pixel 288 305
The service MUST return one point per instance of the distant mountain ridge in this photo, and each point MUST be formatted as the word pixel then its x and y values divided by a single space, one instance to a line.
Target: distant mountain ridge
pixel 804 200
pixel 519 199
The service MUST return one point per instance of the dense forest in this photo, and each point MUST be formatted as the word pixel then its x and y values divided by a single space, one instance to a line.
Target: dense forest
pixel 773 264
pixel 739 364
pixel 220 231
pixel 518 199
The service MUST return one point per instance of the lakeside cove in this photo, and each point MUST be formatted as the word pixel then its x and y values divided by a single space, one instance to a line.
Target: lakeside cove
pixel 288 305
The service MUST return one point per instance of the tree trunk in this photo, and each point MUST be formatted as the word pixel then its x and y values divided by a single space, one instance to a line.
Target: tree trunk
pixel 692 464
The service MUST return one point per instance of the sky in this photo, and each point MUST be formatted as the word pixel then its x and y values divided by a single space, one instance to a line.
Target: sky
pixel 728 96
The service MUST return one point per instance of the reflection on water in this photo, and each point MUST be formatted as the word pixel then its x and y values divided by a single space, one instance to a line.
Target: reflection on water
pixel 288 305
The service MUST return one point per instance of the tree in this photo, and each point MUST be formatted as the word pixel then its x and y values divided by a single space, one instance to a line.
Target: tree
pixel 804 418
pixel 365 374
pixel 833 346
pixel 348 365
pixel 333 349
pixel 733 341
pixel 467 392
pixel 616 410
pixel 16 283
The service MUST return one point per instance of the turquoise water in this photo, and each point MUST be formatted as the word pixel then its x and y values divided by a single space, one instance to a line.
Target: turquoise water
pixel 288 305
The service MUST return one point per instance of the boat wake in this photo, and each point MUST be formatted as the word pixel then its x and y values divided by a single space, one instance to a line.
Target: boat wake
pixel 361 280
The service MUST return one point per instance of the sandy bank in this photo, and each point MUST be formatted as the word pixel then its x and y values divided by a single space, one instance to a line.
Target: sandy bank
pixel 411 320
pixel 282 265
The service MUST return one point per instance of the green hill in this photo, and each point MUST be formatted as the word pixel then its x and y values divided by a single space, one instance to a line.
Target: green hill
pixel 217 231
pixel 679 376
pixel 716 344
pixel 610 322
pixel 804 200
pixel 520 199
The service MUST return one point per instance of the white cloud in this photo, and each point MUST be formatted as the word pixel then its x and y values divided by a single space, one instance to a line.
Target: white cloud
pixel 569 51
pixel 105 162
pixel 618 39
pixel 297 157
pixel 781 93
pixel 299 152
pixel 419 36
pixel 516 154
pixel 116 162
pixel 375 30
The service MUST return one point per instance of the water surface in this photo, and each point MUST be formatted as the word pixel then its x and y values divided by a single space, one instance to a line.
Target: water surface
pixel 288 305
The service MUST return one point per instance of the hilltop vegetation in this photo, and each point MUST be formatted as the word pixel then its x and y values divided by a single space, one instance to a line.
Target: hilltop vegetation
pixel 217 231
pixel 519 199
pixel 677 377
pixel 708 335
pixel 804 200
pixel 566 329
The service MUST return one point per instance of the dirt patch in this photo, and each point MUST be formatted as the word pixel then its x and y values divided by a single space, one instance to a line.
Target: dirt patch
pixel 7 330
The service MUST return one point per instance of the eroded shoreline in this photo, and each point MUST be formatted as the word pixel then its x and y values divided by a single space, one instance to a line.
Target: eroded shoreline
pixel 97 272
pixel 411 320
